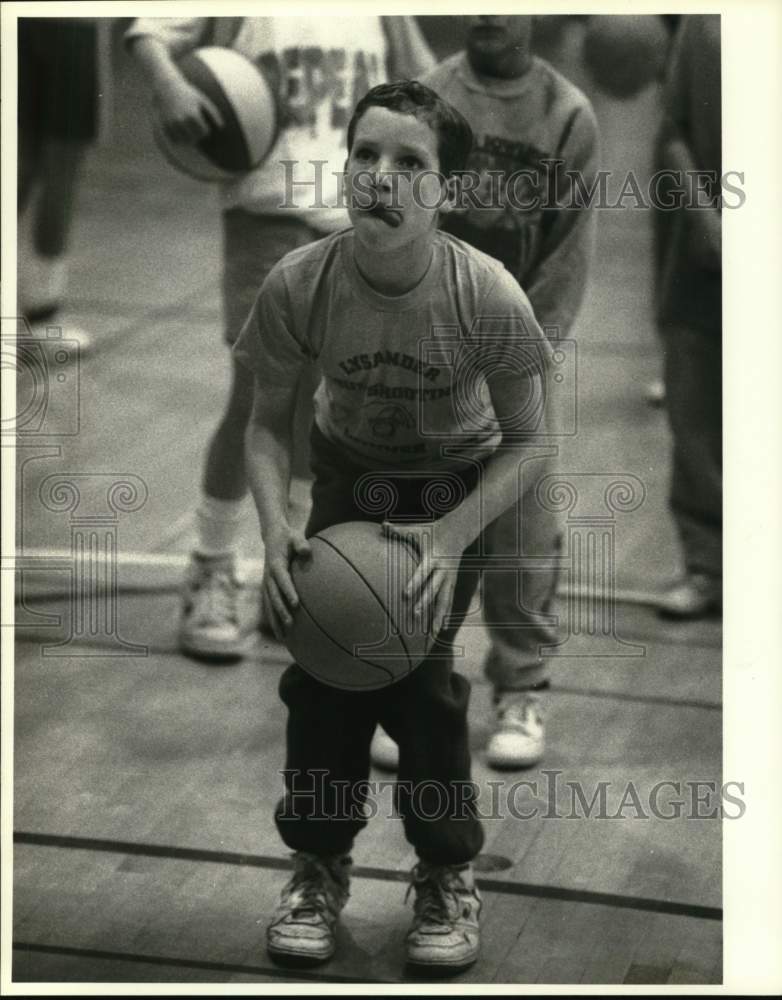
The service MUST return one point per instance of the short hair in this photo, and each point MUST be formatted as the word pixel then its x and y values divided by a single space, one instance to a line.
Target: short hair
pixel 409 97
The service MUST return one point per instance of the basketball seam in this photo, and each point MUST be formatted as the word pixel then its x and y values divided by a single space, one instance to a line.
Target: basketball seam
pixel 320 628
pixel 371 589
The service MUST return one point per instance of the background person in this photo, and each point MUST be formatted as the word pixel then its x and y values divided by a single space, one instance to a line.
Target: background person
pixel 523 113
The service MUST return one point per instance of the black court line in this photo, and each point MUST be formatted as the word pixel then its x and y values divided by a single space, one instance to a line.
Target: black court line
pixel 651 699
pixel 501 886
pixel 556 688
pixel 277 972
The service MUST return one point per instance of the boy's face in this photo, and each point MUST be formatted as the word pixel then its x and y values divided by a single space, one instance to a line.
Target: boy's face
pixel 492 38
pixel 392 182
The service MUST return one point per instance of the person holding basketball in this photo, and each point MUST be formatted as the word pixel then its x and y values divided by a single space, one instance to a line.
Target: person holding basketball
pixel 360 302
pixel 317 68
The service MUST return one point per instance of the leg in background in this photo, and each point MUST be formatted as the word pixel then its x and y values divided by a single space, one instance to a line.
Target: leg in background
pixel 518 617
pixel 694 380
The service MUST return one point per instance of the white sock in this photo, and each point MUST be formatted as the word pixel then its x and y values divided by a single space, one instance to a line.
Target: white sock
pixel 219 523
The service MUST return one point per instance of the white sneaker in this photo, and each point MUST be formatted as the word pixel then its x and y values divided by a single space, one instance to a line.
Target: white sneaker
pixel 218 615
pixel 697 595
pixel 303 928
pixel 67 332
pixel 383 752
pixel 655 392
pixel 445 934
pixel 518 738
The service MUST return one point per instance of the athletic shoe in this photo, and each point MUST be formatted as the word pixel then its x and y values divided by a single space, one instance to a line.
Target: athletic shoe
pixel 302 930
pixel 218 614
pixel 695 596
pixel 445 934
pixel 655 392
pixel 383 751
pixel 519 735
pixel 57 328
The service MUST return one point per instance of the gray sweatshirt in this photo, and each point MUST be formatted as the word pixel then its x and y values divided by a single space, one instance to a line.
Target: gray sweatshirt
pixel 520 213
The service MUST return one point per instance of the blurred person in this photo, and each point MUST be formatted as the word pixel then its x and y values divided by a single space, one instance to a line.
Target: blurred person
pixel 689 312
pixel 58 93
pixel 314 106
pixel 524 115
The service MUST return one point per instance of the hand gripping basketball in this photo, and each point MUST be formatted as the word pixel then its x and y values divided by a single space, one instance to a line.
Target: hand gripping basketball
pixel 278 591
pixel 218 120
pixel 352 627
pixel 431 588
pixel 185 113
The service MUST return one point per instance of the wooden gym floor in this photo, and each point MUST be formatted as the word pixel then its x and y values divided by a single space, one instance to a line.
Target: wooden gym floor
pixel 144 782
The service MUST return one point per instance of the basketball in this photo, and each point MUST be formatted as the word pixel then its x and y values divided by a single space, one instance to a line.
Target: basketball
pixel 352 628
pixel 246 103
pixel 625 53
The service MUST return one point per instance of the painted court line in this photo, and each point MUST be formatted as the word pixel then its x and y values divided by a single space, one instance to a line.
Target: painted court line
pixel 275 972
pixel 180 561
pixel 500 886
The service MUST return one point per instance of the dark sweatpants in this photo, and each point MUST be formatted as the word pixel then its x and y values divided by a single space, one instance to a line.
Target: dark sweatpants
pixel 330 730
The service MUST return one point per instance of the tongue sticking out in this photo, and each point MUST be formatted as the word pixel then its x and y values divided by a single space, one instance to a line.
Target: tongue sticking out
pixel 386 215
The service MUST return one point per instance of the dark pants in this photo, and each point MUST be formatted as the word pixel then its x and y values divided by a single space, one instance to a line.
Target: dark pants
pixel 330 730
pixel 693 378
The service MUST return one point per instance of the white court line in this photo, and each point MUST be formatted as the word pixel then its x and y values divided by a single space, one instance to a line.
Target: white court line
pixel 254 567
pixel 152 559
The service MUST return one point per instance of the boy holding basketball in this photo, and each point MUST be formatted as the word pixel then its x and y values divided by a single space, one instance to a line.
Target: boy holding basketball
pixel 317 68
pixel 433 369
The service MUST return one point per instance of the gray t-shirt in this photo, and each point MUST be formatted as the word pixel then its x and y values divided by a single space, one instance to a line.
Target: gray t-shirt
pixel 403 377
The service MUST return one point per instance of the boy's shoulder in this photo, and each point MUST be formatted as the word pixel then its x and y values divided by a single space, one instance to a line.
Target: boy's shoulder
pixel 297 266
pixel 466 255
pixel 484 275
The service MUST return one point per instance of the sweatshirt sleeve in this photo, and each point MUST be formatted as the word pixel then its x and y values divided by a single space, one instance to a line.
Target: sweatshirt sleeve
pixel 557 282
pixel 178 34
pixel 409 55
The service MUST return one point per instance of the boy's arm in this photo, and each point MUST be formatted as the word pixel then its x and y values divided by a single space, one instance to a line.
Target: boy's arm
pixel 432 586
pixel 409 55
pixel 520 360
pixel 269 346
pixel 557 282
pixel 181 108
pixel 268 453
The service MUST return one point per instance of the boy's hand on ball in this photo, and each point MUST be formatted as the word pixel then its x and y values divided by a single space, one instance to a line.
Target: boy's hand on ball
pixel 279 592
pixel 185 113
pixel 431 588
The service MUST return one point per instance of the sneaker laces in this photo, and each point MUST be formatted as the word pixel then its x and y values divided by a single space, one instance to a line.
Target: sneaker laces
pixel 437 894
pixel 317 889
pixel 519 711
pixel 214 598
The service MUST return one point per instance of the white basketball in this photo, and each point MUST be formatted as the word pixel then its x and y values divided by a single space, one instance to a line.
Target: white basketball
pixel 241 94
